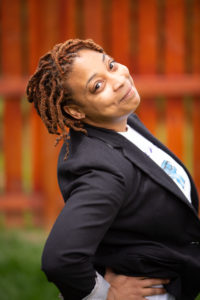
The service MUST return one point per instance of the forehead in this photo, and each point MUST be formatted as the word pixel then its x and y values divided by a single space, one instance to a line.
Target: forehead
pixel 87 62
pixel 84 66
pixel 88 55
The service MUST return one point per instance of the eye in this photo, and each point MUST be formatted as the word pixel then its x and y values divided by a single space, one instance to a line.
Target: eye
pixel 97 86
pixel 111 64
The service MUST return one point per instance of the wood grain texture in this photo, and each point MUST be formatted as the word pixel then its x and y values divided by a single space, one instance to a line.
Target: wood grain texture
pixel 174 64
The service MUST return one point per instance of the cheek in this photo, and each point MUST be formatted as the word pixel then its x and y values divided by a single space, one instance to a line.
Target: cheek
pixel 78 95
pixel 124 70
pixel 104 99
pixel 106 95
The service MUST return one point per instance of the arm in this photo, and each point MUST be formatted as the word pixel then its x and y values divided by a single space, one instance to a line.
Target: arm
pixel 94 201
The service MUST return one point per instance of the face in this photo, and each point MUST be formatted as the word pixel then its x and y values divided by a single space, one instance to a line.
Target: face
pixel 103 89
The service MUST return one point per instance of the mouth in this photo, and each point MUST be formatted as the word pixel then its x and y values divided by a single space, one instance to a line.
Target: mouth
pixel 128 94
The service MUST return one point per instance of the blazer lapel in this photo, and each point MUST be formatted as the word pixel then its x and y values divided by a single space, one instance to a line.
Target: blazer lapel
pixel 142 161
pixel 137 125
pixel 137 157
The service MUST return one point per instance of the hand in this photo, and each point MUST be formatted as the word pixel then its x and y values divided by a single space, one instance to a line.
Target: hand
pixel 132 288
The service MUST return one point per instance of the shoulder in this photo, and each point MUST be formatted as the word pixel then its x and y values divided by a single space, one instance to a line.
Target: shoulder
pixel 90 153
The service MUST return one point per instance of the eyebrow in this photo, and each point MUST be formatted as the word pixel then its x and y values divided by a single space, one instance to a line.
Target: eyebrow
pixel 95 74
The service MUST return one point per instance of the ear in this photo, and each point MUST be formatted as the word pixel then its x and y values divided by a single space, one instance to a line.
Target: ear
pixel 74 112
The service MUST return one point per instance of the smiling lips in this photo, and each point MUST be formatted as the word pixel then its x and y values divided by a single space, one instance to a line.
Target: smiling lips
pixel 129 93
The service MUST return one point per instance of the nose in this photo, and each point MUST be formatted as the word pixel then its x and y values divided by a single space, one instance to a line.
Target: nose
pixel 117 82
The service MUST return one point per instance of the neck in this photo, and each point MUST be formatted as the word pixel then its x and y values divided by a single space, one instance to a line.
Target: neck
pixel 119 126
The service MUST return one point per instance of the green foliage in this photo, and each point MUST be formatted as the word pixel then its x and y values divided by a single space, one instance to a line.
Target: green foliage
pixel 2 220
pixel 20 274
pixel 28 219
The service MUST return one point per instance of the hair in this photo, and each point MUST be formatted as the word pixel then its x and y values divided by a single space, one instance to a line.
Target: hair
pixel 49 91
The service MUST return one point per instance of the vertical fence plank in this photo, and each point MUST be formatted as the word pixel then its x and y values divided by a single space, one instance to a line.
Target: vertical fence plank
pixel 174 64
pixel 134 36
pixel 147 60
pixel 12 144
pixel 50 10
pixel 35 37
pixel 45 155
pixel 107 32
pixel 67 19
pixel 11 66
pixel 35 21
pixel 147 36
pixel 93 20
pixel 196 37
pixel 196 141
pixel 196 107
pixel 120 31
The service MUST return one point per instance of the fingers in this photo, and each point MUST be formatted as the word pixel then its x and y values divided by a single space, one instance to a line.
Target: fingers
pixel 149 282
pixel 153 291
pixel 137 288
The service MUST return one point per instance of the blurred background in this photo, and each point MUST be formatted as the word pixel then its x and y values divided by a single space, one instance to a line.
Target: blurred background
pixel 159 40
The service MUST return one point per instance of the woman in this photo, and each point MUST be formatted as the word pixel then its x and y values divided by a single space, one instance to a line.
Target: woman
pixel 129 229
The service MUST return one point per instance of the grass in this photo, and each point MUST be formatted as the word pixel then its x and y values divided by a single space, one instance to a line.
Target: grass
pixel 20 274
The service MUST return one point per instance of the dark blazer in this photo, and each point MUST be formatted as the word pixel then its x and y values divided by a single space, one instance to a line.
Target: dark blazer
pixel 124 212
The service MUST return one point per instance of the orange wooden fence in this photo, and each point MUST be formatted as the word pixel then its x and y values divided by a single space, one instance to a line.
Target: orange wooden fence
pixel 159 40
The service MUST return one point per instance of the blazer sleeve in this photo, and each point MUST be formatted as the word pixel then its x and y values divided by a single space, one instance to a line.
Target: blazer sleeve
pixel 93 200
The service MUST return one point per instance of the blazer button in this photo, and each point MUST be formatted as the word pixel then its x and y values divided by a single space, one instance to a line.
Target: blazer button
pixel 195 243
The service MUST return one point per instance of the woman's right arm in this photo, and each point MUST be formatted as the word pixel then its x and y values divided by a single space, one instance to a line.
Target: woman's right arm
pixel 93 202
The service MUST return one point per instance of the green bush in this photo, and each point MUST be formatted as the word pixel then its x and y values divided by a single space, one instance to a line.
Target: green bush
pixel 20 274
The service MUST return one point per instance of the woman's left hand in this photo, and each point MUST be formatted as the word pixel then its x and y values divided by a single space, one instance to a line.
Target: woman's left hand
pixel 133 288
